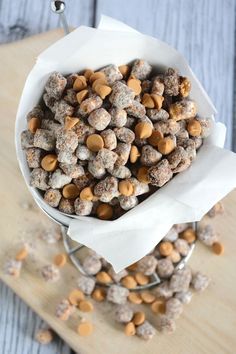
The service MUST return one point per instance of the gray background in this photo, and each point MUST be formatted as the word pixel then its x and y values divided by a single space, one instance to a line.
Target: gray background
pixel 203 30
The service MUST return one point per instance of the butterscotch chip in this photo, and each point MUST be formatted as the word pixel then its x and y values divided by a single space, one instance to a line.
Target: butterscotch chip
pixel 130 329
pixel 104 211
pixel 103 277
pixel 158 306
pixel 126 188
pixel 129 282
pixel 124 69
pixel 88 73
pixel 194 127
pixel 155 138
pixel 143 130
pixel 147 297
pixel 139 318
pixel 49 162
pixel 165 248
pixel 70 191
pixel 22 254
pixel 135 85
pixel 70 122
pixel 134 154
pixel 165 146
pixel 147 101
pixel 85 306
pixel 80 83
pixel 60 260
pixel 33 124
pixel 103 90
pixel 218 248
pixel 141 278
pixel 157 101
pixel 142 174
pixel 132 267
pixel 99 294
pixel 97 75
pixel 85 329
pixel 81 95
pixel 99 82
pixel 75 297
pixel 135 298
pixel 95 142
pixel 189 235
pixel 86 194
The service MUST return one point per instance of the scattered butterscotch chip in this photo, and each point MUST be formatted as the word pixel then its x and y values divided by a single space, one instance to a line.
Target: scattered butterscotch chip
pixel 129 282
pixel 70 122
pixel 97 75
pixel 157 100
pixel 165 248
pixel 138 318
pixel 135 85
pixel 44 336
pixel 135 298
pixel 88 73
pixel 126 188
pixel 104 211
pixel 124 69
pixel 165 145
pixel 143 130
pixel 218 248
pixel 141 278
pixel 147 101
pixel 134 154
pixel 189 235
pixel 99 82
pixel 81 95
pixel 155 138
pixel 75 297
pixel 33 124
pixel 49 162
pixel 85 329
pixel 103 277
pixel 147 297
pixel 158 306
pixel 80 83
pixel 95 142
pixel 60 260
pixel 103 90
pixel 86 194
pixel 70 191
pixel 99 294
pixel 130 329
pixel 85 306
pixel 142 174
pixel 194 127
pixel 22 254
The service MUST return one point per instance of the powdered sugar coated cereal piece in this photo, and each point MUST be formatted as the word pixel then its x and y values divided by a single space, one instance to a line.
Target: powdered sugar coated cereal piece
pixel 67 140
pixel 165 268
pixel 150 156
pixel 90 104
pixel 165 324
pixel 66 157
pixel 66 206
pixel 96 168
pixel 44 139
pixel 182 246
pixel 64 309
pixel 39 179
pixel 62 109
pixel 207 235
pixel 112 74
pixel 171 236
pixel 12 267
pixel 92 264
pixel 160 174
pixel 117 294
pixel 117 276
pixel 125 135
pixel 120 172
pixel 83 207
pixel 121 95
pixel 136 109
pixel 118 117
pixel 174 308
pixel 123 313
pixel 200 281
pixel 123 151
pixel 83 153
pixel 27 139
pixel 147 265
pixel 145 331
pixel 58 179
pixel 55 85
pixel 180 280
pixel 107 189
pixel 73 171
pixel 163 290
pixel 99 119
pixel 50 273
pixel 184 296
pixel 128 203
pixel 52 197
pixel 157 115
pixel 109 138
pixel 86 284
pixel 171 82
pixel 107 157
pixel 141 69
pixel 36 112
pixel 33 157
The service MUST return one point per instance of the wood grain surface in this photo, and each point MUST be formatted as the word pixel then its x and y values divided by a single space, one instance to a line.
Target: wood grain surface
pixel 202 30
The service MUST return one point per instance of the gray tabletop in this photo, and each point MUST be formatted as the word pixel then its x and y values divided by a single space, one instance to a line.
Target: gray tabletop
pixel 202 30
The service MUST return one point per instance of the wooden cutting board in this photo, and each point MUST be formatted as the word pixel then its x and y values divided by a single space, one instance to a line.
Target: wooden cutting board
pixel 208 323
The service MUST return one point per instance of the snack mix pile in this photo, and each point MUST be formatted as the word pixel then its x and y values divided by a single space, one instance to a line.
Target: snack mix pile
pixel 131 307
pixel 100 142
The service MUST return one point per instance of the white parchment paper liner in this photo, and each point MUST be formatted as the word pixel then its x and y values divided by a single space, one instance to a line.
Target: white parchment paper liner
pixel 186 198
